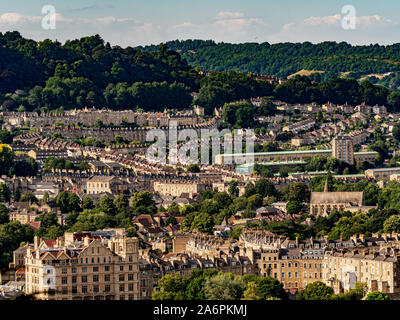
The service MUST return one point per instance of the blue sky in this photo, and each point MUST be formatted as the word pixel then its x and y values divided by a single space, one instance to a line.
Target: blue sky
pixel 134 22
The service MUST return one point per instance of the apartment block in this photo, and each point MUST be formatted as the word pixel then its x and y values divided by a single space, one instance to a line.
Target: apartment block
pixel 100 265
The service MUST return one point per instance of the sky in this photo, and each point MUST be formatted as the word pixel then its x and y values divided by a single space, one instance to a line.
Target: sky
pixel 142 22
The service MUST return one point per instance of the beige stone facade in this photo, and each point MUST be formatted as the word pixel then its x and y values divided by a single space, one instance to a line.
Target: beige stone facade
pixel 382 173
pixel 177 188
pixel 342 148
pixel 379 271
pixel 106 184
pixel 89 268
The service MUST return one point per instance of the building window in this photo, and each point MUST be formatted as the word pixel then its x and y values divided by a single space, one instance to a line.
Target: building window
pixel 95 269
pixel 107 277
pixel 64 290
pixel 121 268
pixel 84 289
pixel 84 278
pixel 95 288
pixel 107 288
pixel 106 268
pixel 73 270
pixel 130 277
pixel 73 279
pixel 130 287
pixel 121 277
pixel 64 271
pixel 84 269
pixel 96 278
pixel 74 289
pixel 64 280
pixel 121 288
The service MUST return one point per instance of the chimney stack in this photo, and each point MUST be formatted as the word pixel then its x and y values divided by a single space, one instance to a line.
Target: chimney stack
pixel 35 242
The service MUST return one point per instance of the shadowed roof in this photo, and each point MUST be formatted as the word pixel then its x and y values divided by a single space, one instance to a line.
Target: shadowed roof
pixel 354 197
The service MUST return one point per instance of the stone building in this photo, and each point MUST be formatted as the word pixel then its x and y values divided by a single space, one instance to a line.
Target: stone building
pixel 99 265
pixel 381 173
pixel 177 188
pixel 323 203
pixel 339 263
pixel 107 184
pixel 342 148
pixel 289 156
pixel 379 270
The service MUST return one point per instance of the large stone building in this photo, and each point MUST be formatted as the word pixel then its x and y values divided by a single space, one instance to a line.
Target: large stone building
pixel 99 265
pixel 289 156
pixel 323 203
pixel 381 173
pixel 107 184
pixel 178 188
pixel 342 148
pixel 339 263
pixel 379 270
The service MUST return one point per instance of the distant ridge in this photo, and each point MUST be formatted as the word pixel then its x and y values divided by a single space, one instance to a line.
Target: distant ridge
pixel 285 59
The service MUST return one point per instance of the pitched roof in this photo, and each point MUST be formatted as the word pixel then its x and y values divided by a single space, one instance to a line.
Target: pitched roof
pixel 337 197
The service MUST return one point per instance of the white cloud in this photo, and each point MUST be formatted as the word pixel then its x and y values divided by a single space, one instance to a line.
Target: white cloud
pixel 111 19
pixel 335 20
pixel 15 19
pixel 329 20
pixel 229 15
pixel 329 28
pixel 184 25
pixel 376 20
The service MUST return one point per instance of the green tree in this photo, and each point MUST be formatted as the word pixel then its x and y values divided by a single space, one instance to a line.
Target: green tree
pixel 87 203
pixel 5 193
pixel 235 233
pixel 4 214
pixel 233 188
pixel 392 224
pixel 6 159
pixel 251 292
pixel 203 222
pixel 265 188
pixel 316 291
pixel 171 288
pixel 143 203
pixel 196 282
pixel 193 168
pixel 225 286
pixel 171 220
pixel 293 207
pixel 269 287
pixel 29 197
pixel 106 204
pixel 377 295
pixel 68 201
